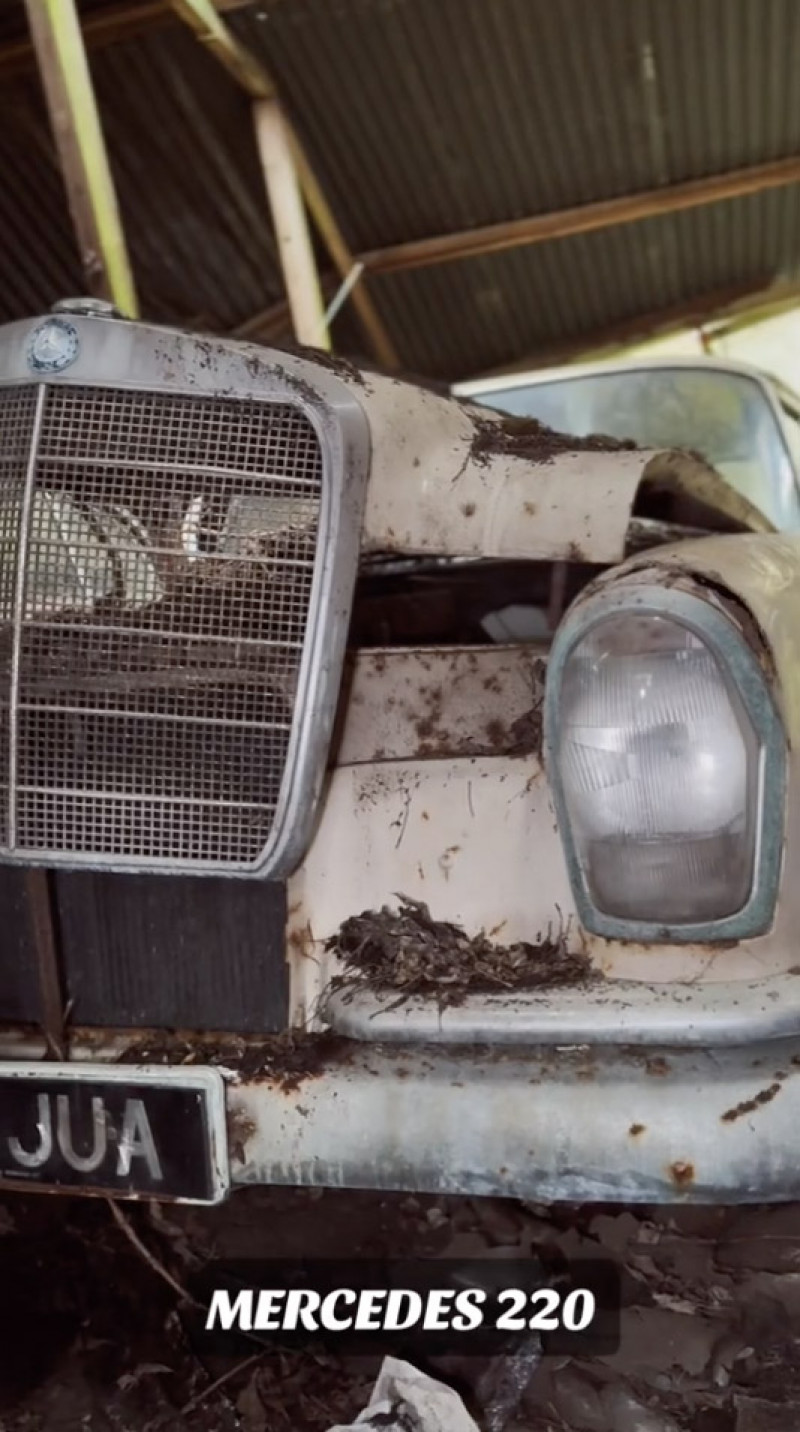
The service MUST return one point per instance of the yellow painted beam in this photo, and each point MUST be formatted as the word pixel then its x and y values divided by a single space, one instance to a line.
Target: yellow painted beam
pixel 64 70
pixel 210 28
pixel 290 222
pixel 211 31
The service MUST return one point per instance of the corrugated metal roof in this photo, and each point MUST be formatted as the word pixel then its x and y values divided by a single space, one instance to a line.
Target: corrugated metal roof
pixel 429 116
pixel 484 312
pixel 445 114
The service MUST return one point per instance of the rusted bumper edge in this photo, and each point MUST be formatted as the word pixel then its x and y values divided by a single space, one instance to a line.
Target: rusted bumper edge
pixel 574 1124
pixel 580 1124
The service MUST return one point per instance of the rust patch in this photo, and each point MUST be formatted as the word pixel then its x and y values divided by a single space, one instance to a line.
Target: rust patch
pixel 657 1067
pixel 636 1129
pixel 750 1106
pixel 301 939
pixel 681 1174
pixel 468 509
pixel 240 1128
pixel 407 951
pixel 529 508
pixel 523 737
pixel 525 734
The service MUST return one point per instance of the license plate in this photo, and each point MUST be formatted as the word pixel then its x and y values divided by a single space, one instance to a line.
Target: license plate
pixel 152 1133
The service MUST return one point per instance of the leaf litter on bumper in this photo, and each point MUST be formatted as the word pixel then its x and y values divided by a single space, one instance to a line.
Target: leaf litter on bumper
pixel 408 951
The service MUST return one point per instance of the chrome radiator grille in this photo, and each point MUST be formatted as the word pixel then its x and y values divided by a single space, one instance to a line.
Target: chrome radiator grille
pixel 157 556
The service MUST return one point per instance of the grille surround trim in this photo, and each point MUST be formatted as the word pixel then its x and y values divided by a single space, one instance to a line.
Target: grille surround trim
pixel 142 359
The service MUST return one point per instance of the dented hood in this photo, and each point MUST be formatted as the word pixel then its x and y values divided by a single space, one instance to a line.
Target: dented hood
pixel 454 479
pixel 445 478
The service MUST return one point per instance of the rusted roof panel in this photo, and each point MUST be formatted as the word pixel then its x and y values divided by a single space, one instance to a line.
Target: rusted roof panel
pixel 190 189
pixel 433 115
pixel 428 116
pixel 491 310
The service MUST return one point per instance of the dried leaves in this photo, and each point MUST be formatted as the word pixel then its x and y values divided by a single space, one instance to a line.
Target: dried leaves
pixel 408 951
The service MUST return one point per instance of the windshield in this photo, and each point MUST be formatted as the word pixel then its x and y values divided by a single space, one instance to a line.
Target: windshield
pixel 726 417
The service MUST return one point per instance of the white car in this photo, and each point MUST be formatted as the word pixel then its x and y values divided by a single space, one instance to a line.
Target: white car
pixel 309 878
pixel 745 423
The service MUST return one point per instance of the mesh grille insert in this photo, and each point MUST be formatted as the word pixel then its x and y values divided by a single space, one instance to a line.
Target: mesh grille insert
pixel 151 644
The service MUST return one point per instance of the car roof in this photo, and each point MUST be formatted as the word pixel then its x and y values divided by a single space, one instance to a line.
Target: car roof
pixel 535 376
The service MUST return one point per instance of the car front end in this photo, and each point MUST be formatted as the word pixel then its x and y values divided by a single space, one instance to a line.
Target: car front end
pixel 386 801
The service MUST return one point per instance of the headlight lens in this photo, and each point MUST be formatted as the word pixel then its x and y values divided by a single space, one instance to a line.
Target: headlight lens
pixel 667 761
pixel 659 764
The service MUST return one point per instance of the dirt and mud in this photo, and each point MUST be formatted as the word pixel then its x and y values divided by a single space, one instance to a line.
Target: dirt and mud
pixel 93 1337
pixel 532 440
pixel 407 951
pixel 286 1059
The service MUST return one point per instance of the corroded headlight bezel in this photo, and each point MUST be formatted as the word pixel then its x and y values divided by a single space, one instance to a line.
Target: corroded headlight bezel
pixel 740 663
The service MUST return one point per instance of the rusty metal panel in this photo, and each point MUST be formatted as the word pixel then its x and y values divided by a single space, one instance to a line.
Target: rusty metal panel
pixel 559 1124
pixel 464 113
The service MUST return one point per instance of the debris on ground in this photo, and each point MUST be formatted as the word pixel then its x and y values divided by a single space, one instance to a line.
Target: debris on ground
pixel 93 1339
pixel 408 951
pixel 407 1400
pixel 503 1384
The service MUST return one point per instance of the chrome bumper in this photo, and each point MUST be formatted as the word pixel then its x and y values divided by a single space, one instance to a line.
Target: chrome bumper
pixel 548 1124
pixel 597 1123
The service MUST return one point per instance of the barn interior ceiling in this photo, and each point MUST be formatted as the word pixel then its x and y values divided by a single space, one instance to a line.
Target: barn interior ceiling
pixel 510 180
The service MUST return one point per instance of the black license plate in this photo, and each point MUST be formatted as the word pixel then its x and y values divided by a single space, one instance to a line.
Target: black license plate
pixel 84 1129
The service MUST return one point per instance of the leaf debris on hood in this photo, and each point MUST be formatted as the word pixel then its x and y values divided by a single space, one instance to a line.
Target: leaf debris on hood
pixel 498 433
pixel 407 950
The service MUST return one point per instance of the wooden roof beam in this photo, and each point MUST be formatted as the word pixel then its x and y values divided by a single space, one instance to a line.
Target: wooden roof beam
pixel 207 23
pixel 583 218
pixel 114 24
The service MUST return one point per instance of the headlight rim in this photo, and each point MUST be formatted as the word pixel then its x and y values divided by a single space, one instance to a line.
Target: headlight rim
pixel 741 667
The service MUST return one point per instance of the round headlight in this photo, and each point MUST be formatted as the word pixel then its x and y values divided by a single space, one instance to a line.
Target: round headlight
pixel 657 753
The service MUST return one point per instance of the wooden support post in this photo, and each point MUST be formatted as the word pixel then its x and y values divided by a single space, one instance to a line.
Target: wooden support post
pixel 248 71
pixel 289 218
pixel 64 70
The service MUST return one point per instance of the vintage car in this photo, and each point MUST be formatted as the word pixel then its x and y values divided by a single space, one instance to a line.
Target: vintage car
pixel 744 422
pixel 314 871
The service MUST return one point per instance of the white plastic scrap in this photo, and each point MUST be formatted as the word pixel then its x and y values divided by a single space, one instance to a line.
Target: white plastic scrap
pixel 406 1400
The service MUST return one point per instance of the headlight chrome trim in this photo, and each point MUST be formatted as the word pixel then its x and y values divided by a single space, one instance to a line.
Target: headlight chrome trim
pixel 740 664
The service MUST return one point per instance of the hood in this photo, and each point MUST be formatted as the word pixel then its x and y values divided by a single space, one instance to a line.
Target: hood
pixel 448 478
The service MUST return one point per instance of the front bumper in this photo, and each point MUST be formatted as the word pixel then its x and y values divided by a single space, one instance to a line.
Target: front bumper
pixel 580 1124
